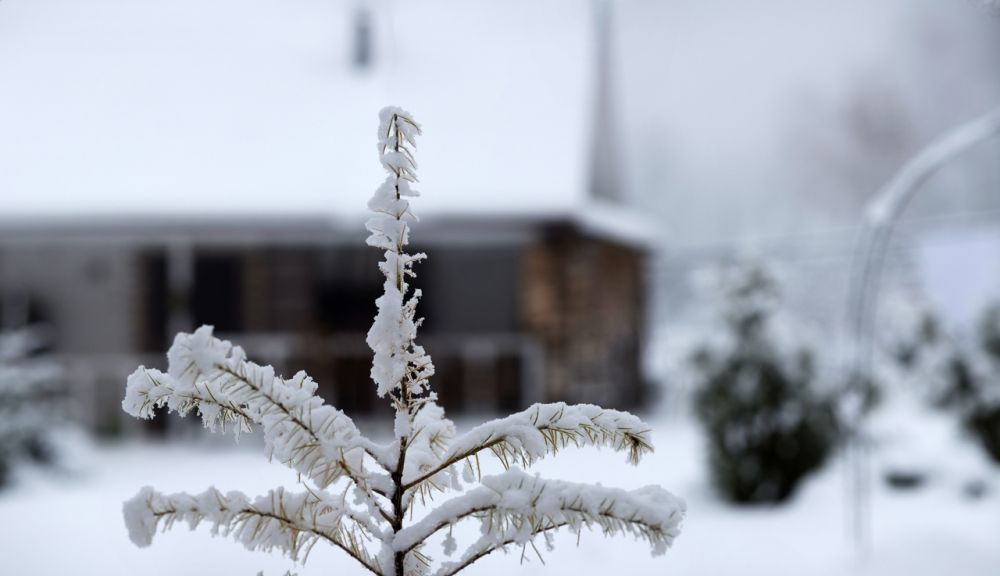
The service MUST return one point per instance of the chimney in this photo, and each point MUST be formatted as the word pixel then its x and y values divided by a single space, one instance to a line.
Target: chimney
pixel 605 178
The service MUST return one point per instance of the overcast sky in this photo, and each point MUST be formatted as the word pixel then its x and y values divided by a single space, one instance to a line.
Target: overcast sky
pixel 782 116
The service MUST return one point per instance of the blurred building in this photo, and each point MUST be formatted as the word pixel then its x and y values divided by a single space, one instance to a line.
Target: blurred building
pixel 168 165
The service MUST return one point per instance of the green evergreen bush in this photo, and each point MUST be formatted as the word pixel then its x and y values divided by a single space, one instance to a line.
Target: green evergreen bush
pixel 757 397
pixel 983 416
pixel 31 402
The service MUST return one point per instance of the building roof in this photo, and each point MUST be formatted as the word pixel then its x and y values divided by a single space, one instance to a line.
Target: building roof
pixel 118 109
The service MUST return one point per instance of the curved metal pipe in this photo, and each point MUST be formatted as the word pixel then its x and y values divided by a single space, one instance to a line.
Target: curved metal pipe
pixel 881 216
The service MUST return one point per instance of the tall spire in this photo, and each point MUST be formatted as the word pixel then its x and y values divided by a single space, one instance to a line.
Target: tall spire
pixel 605 178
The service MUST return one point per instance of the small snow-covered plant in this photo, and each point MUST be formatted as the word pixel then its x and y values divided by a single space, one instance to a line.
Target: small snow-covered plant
pixel 982 414
pixel 361 496
pixel 921 355
pixel 961 375
pixel 756 394
pixel 30 400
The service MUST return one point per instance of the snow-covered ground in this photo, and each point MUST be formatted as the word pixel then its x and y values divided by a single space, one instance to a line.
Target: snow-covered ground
pixel 58 524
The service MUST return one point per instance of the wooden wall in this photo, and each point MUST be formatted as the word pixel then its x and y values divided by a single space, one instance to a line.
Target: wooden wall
pixel 584 298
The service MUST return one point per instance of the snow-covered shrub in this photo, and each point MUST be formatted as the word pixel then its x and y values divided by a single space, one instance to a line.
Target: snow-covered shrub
pixel 983 411
pixel 920 355
pixel 31 401
pixel 756 394
pixel 360 496
pixel 960 375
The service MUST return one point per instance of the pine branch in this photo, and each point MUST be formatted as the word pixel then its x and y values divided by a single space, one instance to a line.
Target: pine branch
pixel 430 435
pixel 148 389
pixel 213 376
pixel 484 547
pixel 514 504
pixel 292 523
pixel 525 437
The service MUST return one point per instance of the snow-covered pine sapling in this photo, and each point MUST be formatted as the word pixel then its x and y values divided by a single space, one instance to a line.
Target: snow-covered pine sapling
pixel 358 495
pixel 758 393
pixel 982 410
pixel 31 400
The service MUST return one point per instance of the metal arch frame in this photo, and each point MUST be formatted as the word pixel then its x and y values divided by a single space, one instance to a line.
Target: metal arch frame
pixel 881 215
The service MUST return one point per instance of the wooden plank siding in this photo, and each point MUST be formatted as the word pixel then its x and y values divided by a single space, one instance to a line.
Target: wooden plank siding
pixel 584 298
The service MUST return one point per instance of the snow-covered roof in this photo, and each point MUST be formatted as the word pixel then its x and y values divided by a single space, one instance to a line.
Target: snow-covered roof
pixel 111 109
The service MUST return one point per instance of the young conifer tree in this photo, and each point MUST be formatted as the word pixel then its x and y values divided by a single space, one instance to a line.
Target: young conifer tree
pixel 757 393
pixel 982 409
pixel 359 495
pixel 31 401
